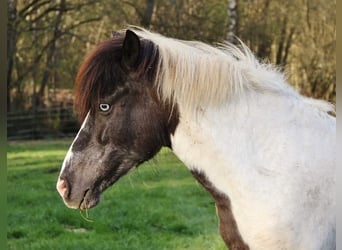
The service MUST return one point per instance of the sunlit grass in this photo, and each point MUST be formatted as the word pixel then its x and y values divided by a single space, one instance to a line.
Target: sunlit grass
pixel 158 206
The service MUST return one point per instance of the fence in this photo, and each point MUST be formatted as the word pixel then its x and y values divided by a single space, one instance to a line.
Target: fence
pixel 52 122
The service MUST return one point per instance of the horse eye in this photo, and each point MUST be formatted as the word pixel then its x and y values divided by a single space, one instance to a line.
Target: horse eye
pixel 104 107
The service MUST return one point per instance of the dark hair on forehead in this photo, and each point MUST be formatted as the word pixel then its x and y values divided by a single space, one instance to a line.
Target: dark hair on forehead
pixel 101 72
pixel 97 70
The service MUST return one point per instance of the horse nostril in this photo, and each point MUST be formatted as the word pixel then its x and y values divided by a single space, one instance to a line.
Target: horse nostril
pixel 62 188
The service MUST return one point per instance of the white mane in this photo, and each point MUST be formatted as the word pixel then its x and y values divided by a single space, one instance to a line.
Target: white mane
pixel 193 74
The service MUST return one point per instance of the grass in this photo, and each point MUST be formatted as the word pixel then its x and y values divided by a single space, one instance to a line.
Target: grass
pixel 157 206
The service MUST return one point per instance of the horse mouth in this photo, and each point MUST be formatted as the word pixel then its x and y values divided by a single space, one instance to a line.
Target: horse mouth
pixel 91 195
pixel 90 200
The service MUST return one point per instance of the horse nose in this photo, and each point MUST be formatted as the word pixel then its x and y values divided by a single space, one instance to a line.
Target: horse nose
pixel 62 188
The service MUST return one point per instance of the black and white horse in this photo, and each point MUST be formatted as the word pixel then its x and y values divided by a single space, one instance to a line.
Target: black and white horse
pixel 264 152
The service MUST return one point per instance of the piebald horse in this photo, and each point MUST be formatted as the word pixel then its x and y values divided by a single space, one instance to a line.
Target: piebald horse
pixel 263 151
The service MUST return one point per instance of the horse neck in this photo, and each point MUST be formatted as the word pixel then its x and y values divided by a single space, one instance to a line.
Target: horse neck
pixel 216 140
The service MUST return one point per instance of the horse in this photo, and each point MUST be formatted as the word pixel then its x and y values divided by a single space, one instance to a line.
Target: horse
pixel 264 152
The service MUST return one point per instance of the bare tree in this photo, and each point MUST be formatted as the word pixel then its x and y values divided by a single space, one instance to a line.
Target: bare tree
pixel 35 30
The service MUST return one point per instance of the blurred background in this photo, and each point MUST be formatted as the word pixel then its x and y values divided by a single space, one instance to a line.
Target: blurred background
pixel 47 40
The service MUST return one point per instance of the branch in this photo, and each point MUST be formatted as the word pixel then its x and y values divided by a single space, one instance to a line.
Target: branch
pixel 22 12
pixel 81 5
pixel 54 8
pixel 58 8
pixel 51 41
pixel 83 22
pixel 135 8
pixel 36 60
pixel 81 38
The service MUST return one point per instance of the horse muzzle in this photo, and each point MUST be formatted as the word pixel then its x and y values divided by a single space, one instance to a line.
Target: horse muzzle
pixel 75 197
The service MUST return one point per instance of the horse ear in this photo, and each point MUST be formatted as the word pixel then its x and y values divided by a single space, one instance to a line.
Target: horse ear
pixel 130 50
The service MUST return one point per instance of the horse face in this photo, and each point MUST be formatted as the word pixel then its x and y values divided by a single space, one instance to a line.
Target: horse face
pixel 122 133
pixel 121 130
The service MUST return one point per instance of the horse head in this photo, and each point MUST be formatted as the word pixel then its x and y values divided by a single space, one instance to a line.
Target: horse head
pixel 124 121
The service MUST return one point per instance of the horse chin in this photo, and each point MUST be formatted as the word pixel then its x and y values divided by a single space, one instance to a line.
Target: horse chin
pixel 90 200
pixel 92 196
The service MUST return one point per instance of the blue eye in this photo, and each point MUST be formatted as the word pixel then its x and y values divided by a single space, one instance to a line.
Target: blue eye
pixel 104 107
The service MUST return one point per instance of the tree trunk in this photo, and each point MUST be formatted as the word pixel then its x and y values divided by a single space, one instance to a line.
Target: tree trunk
pixel 264 36
pixel 288 44
pixel 146 22
pixel 233 21
pixel 284 44
pixel 51 53
pixel 11 46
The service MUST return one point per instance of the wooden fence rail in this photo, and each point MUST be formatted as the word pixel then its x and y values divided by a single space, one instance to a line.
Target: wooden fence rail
pixel 52 122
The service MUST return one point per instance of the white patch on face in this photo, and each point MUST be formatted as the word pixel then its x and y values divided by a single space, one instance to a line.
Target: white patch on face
pixel 69 154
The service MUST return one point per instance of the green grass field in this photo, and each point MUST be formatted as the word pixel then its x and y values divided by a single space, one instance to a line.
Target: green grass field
pixel 157 206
